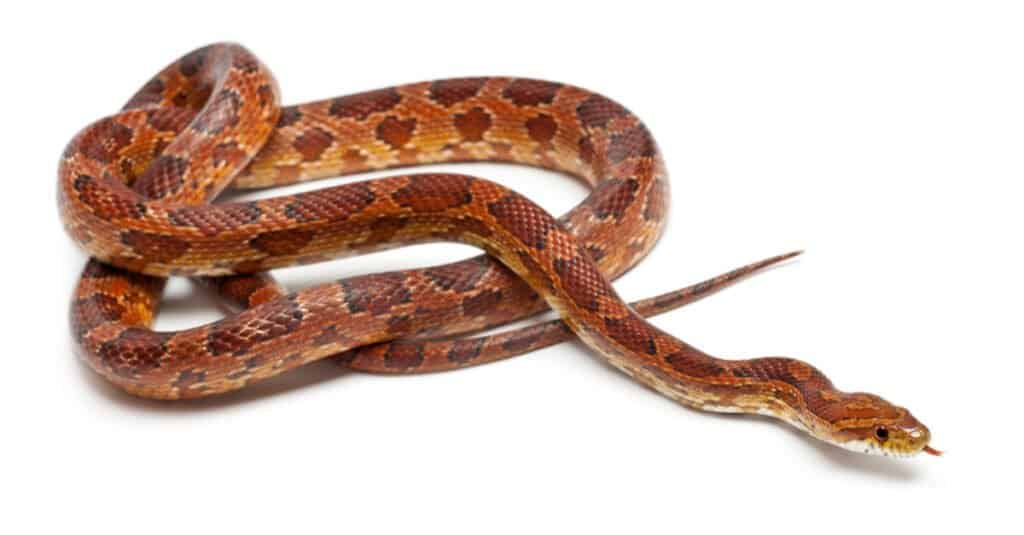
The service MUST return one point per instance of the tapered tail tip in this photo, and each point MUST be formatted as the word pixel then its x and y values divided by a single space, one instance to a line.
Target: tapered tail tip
pixel 791 254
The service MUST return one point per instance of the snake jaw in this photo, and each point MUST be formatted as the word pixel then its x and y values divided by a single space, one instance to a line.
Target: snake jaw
pixel 870 447
pixel 903 438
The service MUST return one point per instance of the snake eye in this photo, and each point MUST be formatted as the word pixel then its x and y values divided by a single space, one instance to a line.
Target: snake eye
pixel 881 433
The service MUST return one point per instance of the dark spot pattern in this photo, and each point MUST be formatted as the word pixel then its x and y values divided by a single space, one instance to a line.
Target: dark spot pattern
pixel 134 352
pixel 480 304
pixel 245 62
pixel 376 293
pixel 193 62
pixel 267 96
pixel 525 92
pixel 473 124
pixel 465 350
pixel 450 92
pixel 694 364
pixel 193 98
pixel 434 193
pixel 542 128
pixel 241 289
pixel 396 132
pixel 597 111
pixel 282 242
pixel 157 247
pixel 312 143
pixel 288 116
pixel 362 105
pixel 403 356
pixel 636 141
pixel 97 270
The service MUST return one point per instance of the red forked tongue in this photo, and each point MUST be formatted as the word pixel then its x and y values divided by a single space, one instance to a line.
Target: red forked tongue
pixel 932 451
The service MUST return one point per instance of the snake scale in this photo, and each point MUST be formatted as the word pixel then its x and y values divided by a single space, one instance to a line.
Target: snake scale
pixel 134 188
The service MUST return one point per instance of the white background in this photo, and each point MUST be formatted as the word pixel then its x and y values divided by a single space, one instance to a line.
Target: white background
pixel 885 138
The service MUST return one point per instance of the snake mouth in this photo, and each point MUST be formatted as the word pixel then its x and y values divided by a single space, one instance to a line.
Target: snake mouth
pixel 932 451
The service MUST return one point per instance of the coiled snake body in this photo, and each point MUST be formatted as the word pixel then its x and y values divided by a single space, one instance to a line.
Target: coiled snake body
pixel 133 190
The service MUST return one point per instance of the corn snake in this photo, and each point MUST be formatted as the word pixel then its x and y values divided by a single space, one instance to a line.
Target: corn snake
pixel 133 188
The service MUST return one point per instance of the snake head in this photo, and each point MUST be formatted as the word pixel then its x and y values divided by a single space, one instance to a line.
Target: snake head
pixel 869 424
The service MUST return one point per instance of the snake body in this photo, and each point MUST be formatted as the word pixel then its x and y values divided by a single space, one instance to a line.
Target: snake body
pixel 133 189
